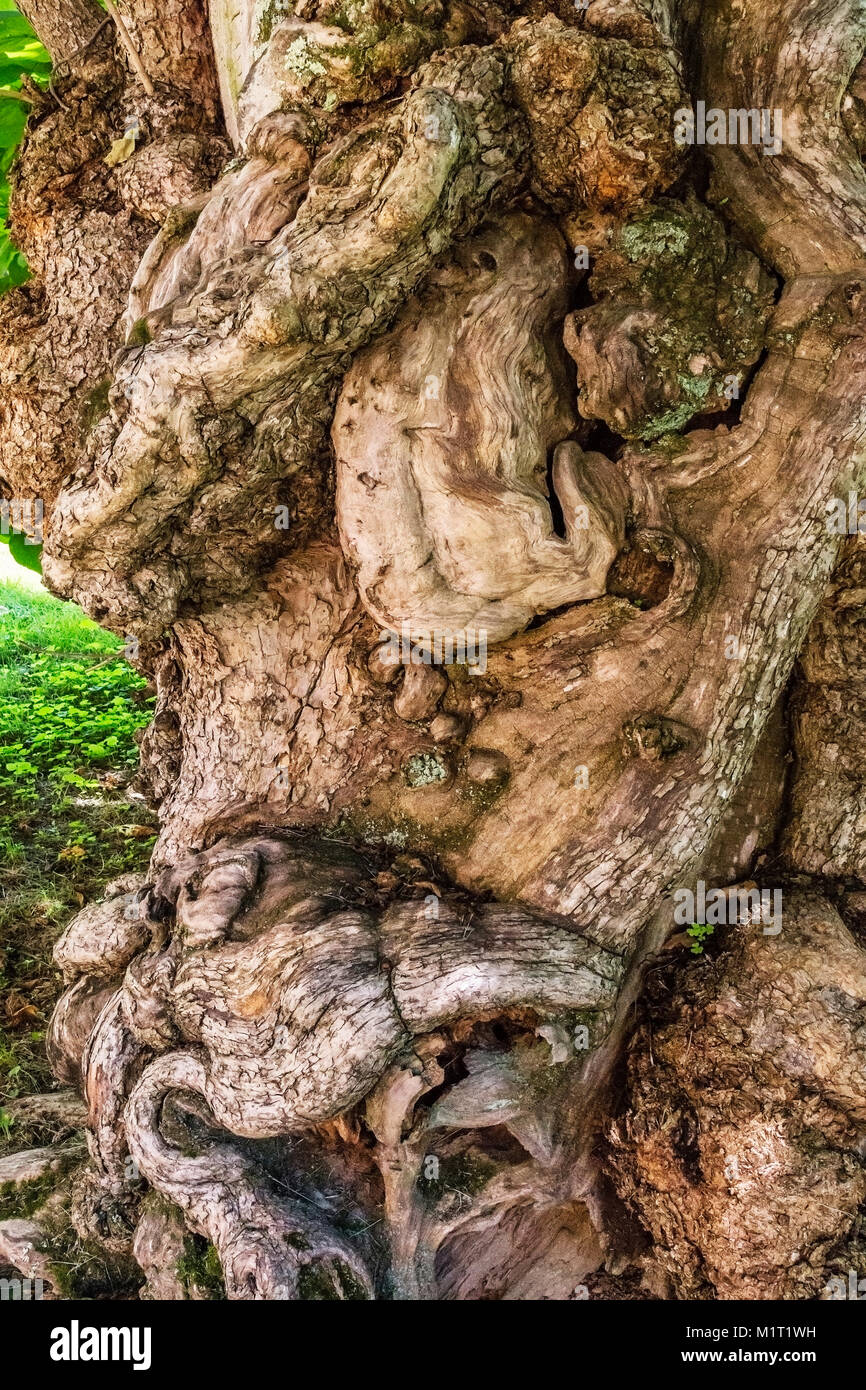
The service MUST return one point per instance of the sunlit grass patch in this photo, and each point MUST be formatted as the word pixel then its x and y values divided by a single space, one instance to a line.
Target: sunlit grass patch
pixel 70 820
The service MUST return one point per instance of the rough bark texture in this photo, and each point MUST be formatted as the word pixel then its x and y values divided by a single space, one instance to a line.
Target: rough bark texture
pixel 462 345
pixel 826 834
pixel 741 1142
pixel 64 26
pixel 83 226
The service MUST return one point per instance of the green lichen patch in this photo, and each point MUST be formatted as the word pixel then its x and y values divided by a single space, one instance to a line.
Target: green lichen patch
pixel 330 1281
pixel 139 335
pixel 21 1199
pixel 83 1269
pixel 180 222
pixel 653 236
pixel 481 795
pixel 682 310
pixel 271 15
pixel 301 60
pixel 200 1268
pixel 94 406
pixel 425 769
pixel 355 52
pixel 464 1174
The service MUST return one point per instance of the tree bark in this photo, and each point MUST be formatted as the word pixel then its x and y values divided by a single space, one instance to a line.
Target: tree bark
pixel 463 353
pixel 64 26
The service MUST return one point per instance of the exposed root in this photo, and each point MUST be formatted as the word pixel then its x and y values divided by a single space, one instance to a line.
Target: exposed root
pixel 283 994
pixel 269 1249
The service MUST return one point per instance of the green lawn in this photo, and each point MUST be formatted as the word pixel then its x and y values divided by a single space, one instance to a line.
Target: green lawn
pixel 69 819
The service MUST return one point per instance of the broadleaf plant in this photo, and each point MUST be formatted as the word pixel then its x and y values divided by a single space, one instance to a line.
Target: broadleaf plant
pixel 20 52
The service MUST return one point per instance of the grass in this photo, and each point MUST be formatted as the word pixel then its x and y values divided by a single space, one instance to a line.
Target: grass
pixel 36 622
pixel 70 820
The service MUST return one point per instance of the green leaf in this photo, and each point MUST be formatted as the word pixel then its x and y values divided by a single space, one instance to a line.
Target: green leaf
pixel 14 29
pixel 20 52
pixel 13 118
pixel 30 556
pixel 13 267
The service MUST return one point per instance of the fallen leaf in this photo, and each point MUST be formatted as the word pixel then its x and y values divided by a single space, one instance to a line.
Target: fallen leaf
pixel 18 1012
pixel 120 151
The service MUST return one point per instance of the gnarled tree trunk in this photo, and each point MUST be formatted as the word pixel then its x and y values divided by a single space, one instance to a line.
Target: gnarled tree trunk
pixel 460 447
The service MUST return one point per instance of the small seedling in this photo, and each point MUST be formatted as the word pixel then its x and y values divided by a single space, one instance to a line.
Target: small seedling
pixel 698 931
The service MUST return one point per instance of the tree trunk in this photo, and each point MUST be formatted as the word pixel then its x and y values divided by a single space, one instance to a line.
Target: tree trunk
pixel 459 448
pixel 64 26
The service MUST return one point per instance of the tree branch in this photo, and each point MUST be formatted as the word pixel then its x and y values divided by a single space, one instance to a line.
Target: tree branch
pixel 132 51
